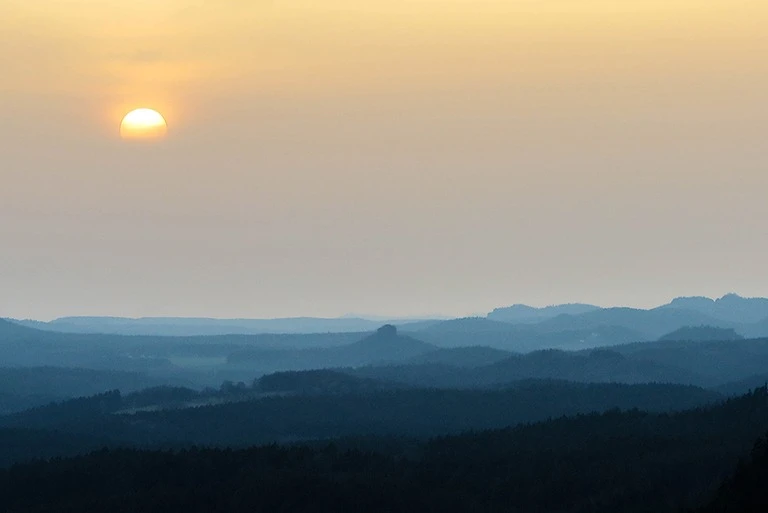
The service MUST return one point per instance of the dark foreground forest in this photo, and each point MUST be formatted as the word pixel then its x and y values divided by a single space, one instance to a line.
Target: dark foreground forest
pixel 617 461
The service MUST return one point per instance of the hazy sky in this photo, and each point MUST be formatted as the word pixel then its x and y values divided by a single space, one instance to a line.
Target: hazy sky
pixel 383 156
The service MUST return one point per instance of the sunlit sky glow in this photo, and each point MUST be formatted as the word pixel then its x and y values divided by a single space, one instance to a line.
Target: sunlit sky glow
pixel 398 157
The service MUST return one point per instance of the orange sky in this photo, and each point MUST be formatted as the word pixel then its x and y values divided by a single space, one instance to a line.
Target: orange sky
pixel 398 157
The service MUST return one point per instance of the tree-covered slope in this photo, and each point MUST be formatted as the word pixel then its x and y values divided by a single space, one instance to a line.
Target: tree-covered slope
pixel 629 462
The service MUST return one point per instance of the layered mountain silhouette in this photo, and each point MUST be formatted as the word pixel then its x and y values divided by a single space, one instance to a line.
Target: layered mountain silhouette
pixel 748 316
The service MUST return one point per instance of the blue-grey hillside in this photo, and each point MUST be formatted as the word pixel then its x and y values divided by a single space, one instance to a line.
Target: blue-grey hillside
pixel 522 338
pixel 476 356
pixel 597 366
pixel 702 334
pixel 651 324
pixel 730 308
pixel 720 361
pixel 22 388
pixel 384 346
pixel 756 330
pixel 524 314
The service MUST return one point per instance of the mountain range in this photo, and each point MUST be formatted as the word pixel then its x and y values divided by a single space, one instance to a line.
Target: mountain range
pixel 748 316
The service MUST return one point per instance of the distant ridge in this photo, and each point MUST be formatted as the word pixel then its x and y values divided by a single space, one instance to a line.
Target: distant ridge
pixel 8 326
pixel 528 314
pixel 730 308
pixel 192 326
pixel 651 323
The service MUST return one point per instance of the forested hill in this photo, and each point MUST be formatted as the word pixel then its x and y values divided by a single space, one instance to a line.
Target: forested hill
pixel 365 411
pixel 629 462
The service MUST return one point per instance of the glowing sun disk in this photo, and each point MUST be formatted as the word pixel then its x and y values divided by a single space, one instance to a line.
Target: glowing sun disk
pixel 143 124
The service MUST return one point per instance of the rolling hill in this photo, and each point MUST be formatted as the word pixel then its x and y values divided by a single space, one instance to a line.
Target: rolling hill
pixel 524 314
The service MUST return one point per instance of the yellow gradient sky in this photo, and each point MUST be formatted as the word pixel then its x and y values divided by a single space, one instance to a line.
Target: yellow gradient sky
pixel 396 157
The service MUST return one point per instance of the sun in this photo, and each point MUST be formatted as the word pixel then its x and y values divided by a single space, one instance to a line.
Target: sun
pixel 147 124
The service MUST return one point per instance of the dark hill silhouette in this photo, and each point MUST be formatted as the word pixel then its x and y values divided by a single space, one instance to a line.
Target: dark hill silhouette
pixel 702 334
pixel 524 314
pixel 386 345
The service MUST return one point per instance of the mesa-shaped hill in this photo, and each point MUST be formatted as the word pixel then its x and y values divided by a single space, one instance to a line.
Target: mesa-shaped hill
pixel 386 345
